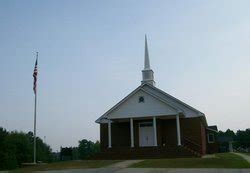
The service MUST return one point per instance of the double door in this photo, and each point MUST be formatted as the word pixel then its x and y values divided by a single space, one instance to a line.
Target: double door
pixel 146 134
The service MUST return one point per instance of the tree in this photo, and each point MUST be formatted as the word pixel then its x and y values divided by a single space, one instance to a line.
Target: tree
pixel 44 152
pixel 7 156
pixel 17 148
pixel 88 148
pixel 19 145
pixel 75 153
pixel 96 147
pixel 228 133
pixel 243 138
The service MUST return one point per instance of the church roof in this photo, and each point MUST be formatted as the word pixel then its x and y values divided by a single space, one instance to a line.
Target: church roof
pixel 212 128
pixel 163 104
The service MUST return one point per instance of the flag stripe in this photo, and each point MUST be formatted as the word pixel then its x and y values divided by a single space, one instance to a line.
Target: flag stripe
pixel 35 77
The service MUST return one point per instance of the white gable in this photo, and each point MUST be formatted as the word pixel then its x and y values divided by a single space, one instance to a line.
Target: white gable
pixel 151 106
pixel 157 103
pixel 187 110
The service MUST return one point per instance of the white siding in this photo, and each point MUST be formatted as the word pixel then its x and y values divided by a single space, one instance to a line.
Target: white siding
pixel 151 107
pixel 188 111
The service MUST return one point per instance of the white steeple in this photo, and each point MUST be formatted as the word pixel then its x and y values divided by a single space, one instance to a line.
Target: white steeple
pixel 146 61
pixel 147 73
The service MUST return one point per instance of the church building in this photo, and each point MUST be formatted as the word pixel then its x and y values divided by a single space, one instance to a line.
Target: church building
pixel 149 123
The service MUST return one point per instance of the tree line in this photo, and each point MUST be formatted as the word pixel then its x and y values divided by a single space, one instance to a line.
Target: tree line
pixel 17 148
pixel 241 139
pixel 85 150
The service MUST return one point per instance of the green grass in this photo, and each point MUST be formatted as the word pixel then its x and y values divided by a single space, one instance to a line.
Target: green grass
pixel 222 160
pixel 66 165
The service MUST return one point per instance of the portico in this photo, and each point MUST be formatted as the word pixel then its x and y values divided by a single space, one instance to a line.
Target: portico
pixel 146 129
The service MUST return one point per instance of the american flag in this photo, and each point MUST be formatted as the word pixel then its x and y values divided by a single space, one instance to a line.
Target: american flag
pixel 35 77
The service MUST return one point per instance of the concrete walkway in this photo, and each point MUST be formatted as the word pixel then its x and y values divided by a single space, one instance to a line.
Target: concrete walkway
pixel 246 157
pixel 124 164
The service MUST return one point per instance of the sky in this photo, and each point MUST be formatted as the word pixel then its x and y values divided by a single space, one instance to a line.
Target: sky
pixel 91 56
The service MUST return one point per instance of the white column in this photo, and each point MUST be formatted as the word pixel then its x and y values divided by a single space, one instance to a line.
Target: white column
pixel 178 130
pixel 109 133
pixel 132 132
pixel 155 131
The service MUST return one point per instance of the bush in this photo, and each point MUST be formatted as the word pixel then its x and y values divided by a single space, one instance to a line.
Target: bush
pixel 17 148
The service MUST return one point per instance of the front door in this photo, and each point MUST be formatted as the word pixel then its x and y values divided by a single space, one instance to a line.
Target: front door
pixel 146 134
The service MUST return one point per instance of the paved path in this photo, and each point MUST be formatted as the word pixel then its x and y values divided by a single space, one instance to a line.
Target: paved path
pixel 209 156
pixel 124 164
pixel 246 157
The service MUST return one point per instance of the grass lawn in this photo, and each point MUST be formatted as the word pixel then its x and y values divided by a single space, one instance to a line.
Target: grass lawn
pixel 222 160
pixel 66 165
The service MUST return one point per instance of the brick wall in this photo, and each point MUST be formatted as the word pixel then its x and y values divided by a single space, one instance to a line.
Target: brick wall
pixel 191 129
pixel 120 135
pixel 166 132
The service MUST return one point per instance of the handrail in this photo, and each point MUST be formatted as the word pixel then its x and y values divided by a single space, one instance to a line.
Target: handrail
pixel 191 144
pixel 198 145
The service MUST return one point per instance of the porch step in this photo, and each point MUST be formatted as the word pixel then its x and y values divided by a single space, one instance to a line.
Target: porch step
pixel 146 153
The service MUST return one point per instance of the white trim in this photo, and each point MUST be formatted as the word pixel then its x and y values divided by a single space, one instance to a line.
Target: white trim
pixel 162 100
pixel 168 95
pixel 109 133
pixel 178 130
pixel 155 131
pixel 171 116
pixel 132 132
pixel 159 98
pixel 208 140
pixel 119 103
pixel 212 130
pixel 130 95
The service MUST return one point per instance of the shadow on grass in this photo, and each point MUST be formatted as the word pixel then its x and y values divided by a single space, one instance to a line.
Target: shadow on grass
pixel 81 164
pixel 221 160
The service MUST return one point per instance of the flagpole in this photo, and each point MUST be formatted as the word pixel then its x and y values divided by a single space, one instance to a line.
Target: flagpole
pixel 35 131
pixel 35 120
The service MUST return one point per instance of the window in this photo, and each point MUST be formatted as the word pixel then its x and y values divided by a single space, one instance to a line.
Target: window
pixel 141 99
pixel 210 137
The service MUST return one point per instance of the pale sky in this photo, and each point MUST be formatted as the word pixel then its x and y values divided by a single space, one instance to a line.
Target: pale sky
pixel 91 56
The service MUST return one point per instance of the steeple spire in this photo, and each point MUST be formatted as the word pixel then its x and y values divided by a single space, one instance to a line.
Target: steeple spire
pixel 147 73
pixel 146 56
